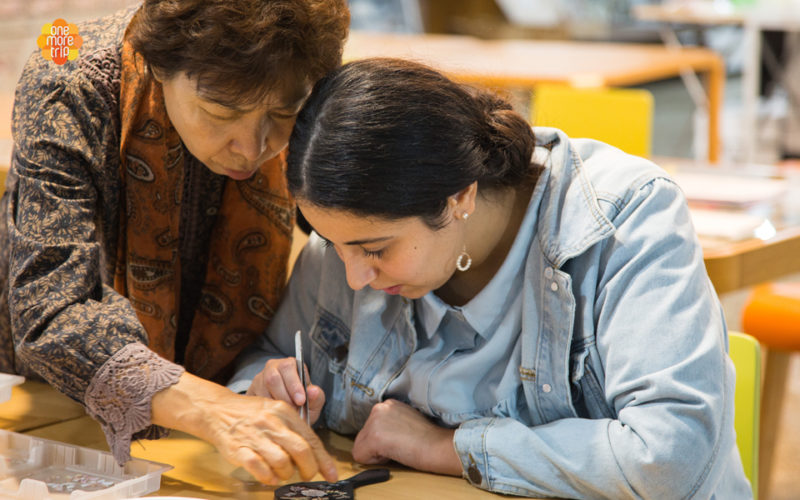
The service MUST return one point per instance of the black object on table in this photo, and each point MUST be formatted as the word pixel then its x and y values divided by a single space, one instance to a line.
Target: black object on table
pixel 340 490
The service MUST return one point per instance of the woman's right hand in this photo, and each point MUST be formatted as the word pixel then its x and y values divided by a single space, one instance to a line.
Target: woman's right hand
pixel 264 436
pixel 279 380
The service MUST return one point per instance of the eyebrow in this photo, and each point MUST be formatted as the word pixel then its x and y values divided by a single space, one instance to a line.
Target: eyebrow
pixel 368 240
pixel 360 242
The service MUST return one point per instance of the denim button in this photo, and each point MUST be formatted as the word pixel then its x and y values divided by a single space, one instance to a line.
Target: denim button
pixel 554 286
pixel 548 273
pixel 547 388
pixel 474 474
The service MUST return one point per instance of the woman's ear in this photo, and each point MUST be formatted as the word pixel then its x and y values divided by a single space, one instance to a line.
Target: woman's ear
pixel 463 202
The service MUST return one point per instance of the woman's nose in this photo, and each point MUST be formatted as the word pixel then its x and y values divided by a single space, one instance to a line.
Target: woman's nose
pixel 252 141
pixel 360 273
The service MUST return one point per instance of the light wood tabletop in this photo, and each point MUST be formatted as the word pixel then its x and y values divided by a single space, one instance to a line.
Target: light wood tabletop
pixel 741 264
pixel 36 404
pixel 199 471
pixel 527 63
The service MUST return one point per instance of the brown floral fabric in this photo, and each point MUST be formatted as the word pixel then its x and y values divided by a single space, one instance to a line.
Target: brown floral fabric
pixel 64 218
pixel 249 245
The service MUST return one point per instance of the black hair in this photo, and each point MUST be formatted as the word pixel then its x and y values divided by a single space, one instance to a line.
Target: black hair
pixel 393 138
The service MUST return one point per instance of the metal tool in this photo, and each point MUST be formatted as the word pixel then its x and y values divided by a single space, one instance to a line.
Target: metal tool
pixel 298 355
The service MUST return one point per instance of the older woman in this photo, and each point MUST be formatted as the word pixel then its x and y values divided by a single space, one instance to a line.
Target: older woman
pixel 146 223
pixel 524 309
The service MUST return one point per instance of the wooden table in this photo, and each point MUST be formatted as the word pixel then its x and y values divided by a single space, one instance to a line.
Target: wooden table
pixel 741 264
pixel 527 63
pixel 199 470
pixel 35 404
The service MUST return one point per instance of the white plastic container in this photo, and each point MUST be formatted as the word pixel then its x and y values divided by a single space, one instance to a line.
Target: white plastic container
pixel 7 381
pixel 35 468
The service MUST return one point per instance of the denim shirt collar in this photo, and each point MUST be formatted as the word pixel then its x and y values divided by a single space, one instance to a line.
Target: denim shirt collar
pixel 564 230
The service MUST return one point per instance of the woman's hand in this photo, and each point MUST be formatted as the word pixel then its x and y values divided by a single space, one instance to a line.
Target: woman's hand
pixel 264 436
pixel 396 431
pixel 279 380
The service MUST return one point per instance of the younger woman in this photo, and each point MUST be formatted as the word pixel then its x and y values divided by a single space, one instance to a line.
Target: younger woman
pixel 524 309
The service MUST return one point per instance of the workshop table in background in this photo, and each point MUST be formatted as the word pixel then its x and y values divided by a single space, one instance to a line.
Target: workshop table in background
pixel 527 63
pixel 754 18
pixel 765 194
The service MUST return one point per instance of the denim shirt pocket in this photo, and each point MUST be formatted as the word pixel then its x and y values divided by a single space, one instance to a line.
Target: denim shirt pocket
pixel 588 395
pixel 355 361
pixel 330 337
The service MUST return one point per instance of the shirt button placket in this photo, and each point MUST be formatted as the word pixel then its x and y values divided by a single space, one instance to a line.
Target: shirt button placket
pixel 548 274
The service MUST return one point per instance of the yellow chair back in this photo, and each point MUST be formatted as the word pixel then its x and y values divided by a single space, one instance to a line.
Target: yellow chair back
pixel 620 117
pixel 745 352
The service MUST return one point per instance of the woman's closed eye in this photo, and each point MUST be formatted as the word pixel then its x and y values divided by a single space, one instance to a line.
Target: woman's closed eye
pixel 374 254
pixel 219 118
pixel 282 115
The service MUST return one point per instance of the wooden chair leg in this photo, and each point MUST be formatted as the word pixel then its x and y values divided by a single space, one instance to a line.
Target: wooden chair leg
pixel 772 398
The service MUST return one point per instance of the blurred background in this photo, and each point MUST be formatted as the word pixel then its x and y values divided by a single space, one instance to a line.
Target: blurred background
pixel 587 20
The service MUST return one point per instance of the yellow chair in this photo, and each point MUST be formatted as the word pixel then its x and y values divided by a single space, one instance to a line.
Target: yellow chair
pixel 745 352
pixel 616 116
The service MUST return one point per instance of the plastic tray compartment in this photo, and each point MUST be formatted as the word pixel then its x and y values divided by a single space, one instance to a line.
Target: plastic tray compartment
pixel 7 381
pixel 38 468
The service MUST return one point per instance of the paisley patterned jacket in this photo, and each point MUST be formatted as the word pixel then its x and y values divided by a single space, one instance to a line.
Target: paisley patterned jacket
pixel 60 318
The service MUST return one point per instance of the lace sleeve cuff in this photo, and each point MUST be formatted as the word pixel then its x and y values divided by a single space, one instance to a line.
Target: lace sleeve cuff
pixel 120 394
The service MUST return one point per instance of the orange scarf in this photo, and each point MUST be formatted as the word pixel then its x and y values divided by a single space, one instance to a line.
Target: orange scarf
pixel 248 251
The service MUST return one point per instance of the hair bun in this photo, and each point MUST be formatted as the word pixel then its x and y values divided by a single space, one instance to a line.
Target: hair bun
pixel 508 138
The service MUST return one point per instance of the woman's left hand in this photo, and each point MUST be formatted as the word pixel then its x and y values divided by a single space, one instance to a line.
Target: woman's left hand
pixel 396 431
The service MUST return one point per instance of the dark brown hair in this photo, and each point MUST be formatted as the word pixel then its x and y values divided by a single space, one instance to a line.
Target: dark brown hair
pixel 239 50
pixel 393 138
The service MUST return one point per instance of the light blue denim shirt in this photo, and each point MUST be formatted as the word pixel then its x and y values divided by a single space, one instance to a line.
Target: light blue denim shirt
pixel 626 387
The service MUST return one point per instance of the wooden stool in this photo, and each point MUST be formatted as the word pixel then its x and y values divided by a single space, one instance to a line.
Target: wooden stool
pixel 772 315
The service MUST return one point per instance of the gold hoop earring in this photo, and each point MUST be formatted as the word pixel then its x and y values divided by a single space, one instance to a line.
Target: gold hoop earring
pixel 461 265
